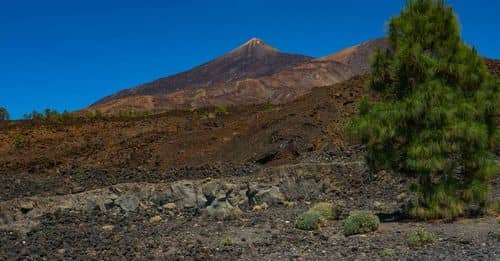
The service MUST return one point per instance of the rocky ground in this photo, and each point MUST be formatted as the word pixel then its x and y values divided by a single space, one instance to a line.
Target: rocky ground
pixel 249 215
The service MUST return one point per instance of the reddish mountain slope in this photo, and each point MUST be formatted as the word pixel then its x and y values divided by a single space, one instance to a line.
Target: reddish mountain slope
pixel 253 59
pixel 284 85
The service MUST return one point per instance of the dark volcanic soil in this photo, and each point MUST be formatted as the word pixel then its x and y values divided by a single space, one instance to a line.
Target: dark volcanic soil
pixel 265 235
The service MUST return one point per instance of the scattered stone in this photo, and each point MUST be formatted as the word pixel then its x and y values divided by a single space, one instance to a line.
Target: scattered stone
pixel 170 206
pixel 260 207
pixel 401 198
pixel 155 219
pixel 289 204
pixel 26 206
pixel 108 228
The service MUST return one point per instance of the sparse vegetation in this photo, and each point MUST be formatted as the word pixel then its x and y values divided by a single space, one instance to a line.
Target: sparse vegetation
pixel 496 234
pixel 131 114
pixel 388 252
pixel 420 237
pixel 48 114
pixel 494 207
pixel 317 215
pixel 438 120
pixel 221 110
pixel 379 206
pixel 98 114
pixel 267 105
pixel 18 142
pixel 360 222
pixel 310 220
pixel 327 210
pixel 227 241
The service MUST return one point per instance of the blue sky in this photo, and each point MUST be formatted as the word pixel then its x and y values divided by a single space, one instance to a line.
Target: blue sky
pixel 68 54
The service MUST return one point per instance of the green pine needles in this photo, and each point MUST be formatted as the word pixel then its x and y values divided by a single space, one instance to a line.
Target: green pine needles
pixel 438 119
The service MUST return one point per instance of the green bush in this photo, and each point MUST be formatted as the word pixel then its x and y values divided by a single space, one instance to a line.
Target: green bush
pixel 48 115
pixel 388 252
pixel 496 234
pixel 227 241
pixel 221 110
pixel 327 210
pixel 267 105
pixel 309 220
pixel 494 207
pixel 437 121
pixel 18 142
pixel 420 237
pixel 360 222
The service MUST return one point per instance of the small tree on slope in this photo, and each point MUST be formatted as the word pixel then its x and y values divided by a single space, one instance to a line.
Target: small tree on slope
pixel 438 121
pixel 4 116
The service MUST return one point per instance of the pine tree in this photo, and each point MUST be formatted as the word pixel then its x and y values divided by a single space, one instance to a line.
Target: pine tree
pixel 4 114
pixel 437 122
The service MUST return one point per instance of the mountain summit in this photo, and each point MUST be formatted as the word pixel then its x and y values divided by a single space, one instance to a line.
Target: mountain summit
pixel 255 47
pixel 253 59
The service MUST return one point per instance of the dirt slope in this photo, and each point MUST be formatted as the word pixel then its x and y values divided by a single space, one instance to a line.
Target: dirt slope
pixel 182 138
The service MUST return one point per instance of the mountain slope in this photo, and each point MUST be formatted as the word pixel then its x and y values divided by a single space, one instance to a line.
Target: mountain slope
pixel 358 56
pixel 253 59
pixel 282 86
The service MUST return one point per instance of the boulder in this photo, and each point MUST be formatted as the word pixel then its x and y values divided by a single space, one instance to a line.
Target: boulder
pixel 222 210
pixel 186 195
pixel 271 196
pixel 26 206
pixel 127 202
pixel 170 206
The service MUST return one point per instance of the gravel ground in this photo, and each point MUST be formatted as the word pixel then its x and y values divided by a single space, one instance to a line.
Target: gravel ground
pixel 265 235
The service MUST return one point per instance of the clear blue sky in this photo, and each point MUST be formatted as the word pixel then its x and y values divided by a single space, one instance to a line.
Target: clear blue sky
pixel 68 54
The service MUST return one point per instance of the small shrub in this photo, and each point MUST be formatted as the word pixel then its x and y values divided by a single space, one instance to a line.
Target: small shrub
pixel 494 208
pixel 327 210
pixel 227 241
pixel 267 105
pixel 379 206
pixel 360 222
pixel 18 142
pixel 496 234
pixel 310 220
pixel 98 114
pixel 388 252
pixel 420 237
pixel 221 110
pixel 204 115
